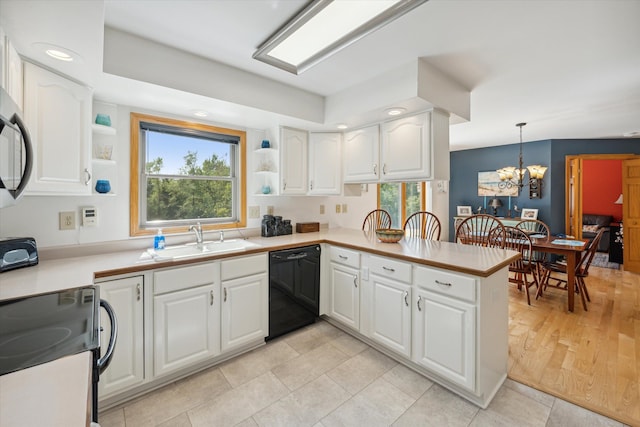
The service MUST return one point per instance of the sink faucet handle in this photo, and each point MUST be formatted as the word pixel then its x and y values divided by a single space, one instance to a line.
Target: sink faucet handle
pixel 222 235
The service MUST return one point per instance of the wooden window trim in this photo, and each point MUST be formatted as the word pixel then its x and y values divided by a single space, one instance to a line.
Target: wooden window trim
pixel 134 173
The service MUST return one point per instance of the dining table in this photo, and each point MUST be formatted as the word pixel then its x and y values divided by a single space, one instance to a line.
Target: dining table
pixel 571 249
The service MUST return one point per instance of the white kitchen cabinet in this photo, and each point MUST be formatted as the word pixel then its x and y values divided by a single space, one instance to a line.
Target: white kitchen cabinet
pixel 11 69
pixel 325 163
pixel 362 155
pixel 126 369
pixel 406 148
pixel 186 317
pixel 391 304
pixel 344 283
pixel 58 115
pixel 413 148
pixel 444 325
pixel 293 161
pixel 245 301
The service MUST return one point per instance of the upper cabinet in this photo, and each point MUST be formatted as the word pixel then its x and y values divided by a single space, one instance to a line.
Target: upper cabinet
pixel 324 163
pixel 362 155
pixel 58 114
pixel 414 148
pixel 293 164
pixel 10 69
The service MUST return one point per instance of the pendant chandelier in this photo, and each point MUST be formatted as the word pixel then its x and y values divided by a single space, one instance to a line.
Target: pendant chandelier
pixel 511 176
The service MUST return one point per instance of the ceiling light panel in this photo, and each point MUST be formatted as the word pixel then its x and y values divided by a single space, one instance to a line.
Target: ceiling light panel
pixel 326 26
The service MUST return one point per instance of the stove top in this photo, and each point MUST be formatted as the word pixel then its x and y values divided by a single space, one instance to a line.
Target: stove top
pixel 41 328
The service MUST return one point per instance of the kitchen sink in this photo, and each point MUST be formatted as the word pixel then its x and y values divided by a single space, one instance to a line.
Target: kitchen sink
pixel 207 248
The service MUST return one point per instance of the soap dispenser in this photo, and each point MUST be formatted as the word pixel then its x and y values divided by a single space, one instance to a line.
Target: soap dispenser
pixel 158 240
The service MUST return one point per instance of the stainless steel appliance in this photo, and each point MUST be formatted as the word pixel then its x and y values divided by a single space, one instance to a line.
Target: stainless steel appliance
pixel 16 154
pixel 41 328
pixel 294 289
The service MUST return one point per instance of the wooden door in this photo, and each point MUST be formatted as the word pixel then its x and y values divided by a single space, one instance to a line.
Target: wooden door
pixel 631 214
pixel 573 209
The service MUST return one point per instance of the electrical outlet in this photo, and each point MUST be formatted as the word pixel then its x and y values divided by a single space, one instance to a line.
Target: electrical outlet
pixel 337 208
pixel 254 211
pixel 344 208
pixel 321 209
pixel 67 220
pixel 269 210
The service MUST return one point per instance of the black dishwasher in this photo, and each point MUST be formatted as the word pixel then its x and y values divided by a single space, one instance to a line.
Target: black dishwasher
pixel 294 289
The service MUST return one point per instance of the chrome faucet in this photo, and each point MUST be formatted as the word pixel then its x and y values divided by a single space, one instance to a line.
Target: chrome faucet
pixel 221 236
pixel 198 230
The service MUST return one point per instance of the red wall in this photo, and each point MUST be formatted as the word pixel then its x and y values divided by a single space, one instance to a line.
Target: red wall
pixel 601 186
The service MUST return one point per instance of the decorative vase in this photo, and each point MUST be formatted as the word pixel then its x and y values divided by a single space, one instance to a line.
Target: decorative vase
pixel 266 189
pixel 265 143
pixel 103 186
pixel 103 119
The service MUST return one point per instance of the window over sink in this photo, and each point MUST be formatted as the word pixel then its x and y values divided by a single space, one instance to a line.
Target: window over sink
pixel 184 172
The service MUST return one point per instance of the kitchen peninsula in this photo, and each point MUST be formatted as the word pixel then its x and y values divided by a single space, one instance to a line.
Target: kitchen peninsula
pixel 438 307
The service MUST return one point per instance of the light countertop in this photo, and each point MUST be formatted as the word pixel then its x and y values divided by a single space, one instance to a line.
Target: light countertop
pixel 61 273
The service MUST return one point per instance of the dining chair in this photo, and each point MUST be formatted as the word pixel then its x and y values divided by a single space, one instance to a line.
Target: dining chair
pixel 581 271
pixel 519 241
pixel 423 225
pixel 377 218
pixel 536 229
pixel 481 230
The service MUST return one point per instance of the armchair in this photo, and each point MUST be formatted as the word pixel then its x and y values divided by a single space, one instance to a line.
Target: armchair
pixel 591 224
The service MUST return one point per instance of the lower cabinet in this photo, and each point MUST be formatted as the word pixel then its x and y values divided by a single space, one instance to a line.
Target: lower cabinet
pixel 391 314
pixel 444 331
pixel 245 301
pixel 126 369
pixel 186 317
pixel 390 311
pixel 344 286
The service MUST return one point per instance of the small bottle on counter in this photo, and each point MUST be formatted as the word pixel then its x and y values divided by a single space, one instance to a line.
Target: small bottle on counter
pixel 158 240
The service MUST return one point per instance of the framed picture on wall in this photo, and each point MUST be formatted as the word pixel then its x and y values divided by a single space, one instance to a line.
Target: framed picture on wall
pixel 464 210
pixel 529 213
pixel 489 185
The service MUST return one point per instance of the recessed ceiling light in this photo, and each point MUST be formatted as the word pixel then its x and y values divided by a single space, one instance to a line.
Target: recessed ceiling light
pixel 342 126
pixel 58 52
pixel 200 113
pixel 395 111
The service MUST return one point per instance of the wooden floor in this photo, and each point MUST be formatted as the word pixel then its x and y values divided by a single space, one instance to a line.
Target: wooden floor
pixel 589 358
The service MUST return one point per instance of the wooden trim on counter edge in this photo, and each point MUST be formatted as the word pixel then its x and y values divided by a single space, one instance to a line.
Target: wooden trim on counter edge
pixel 163 264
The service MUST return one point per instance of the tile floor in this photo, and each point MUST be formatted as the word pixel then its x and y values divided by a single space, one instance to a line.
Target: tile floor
pixel 320 376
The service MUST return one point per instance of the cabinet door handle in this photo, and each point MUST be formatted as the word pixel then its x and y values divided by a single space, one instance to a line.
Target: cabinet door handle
pixel 225 294
pixel 419 299
pixel 311 185
pixel 388 269
pixel 88 180
pixel 355 281
pixel 375 169
pixel 406 301
pixel 284 185
pixel 384 169
pixel 343 257
pixel 443 283
pixel 211 302
pixel 138 292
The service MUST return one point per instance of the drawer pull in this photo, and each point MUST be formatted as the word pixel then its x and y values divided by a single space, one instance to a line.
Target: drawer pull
pixel 388 269
pixel 343 257
pixel 138 292
pixel 355 281
pixel 225 294
pixel 419 299
pixel 443 283
pixel 406 301
pixel 211 303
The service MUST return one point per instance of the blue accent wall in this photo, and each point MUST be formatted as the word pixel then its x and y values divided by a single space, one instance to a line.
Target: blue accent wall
pixel 465 165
